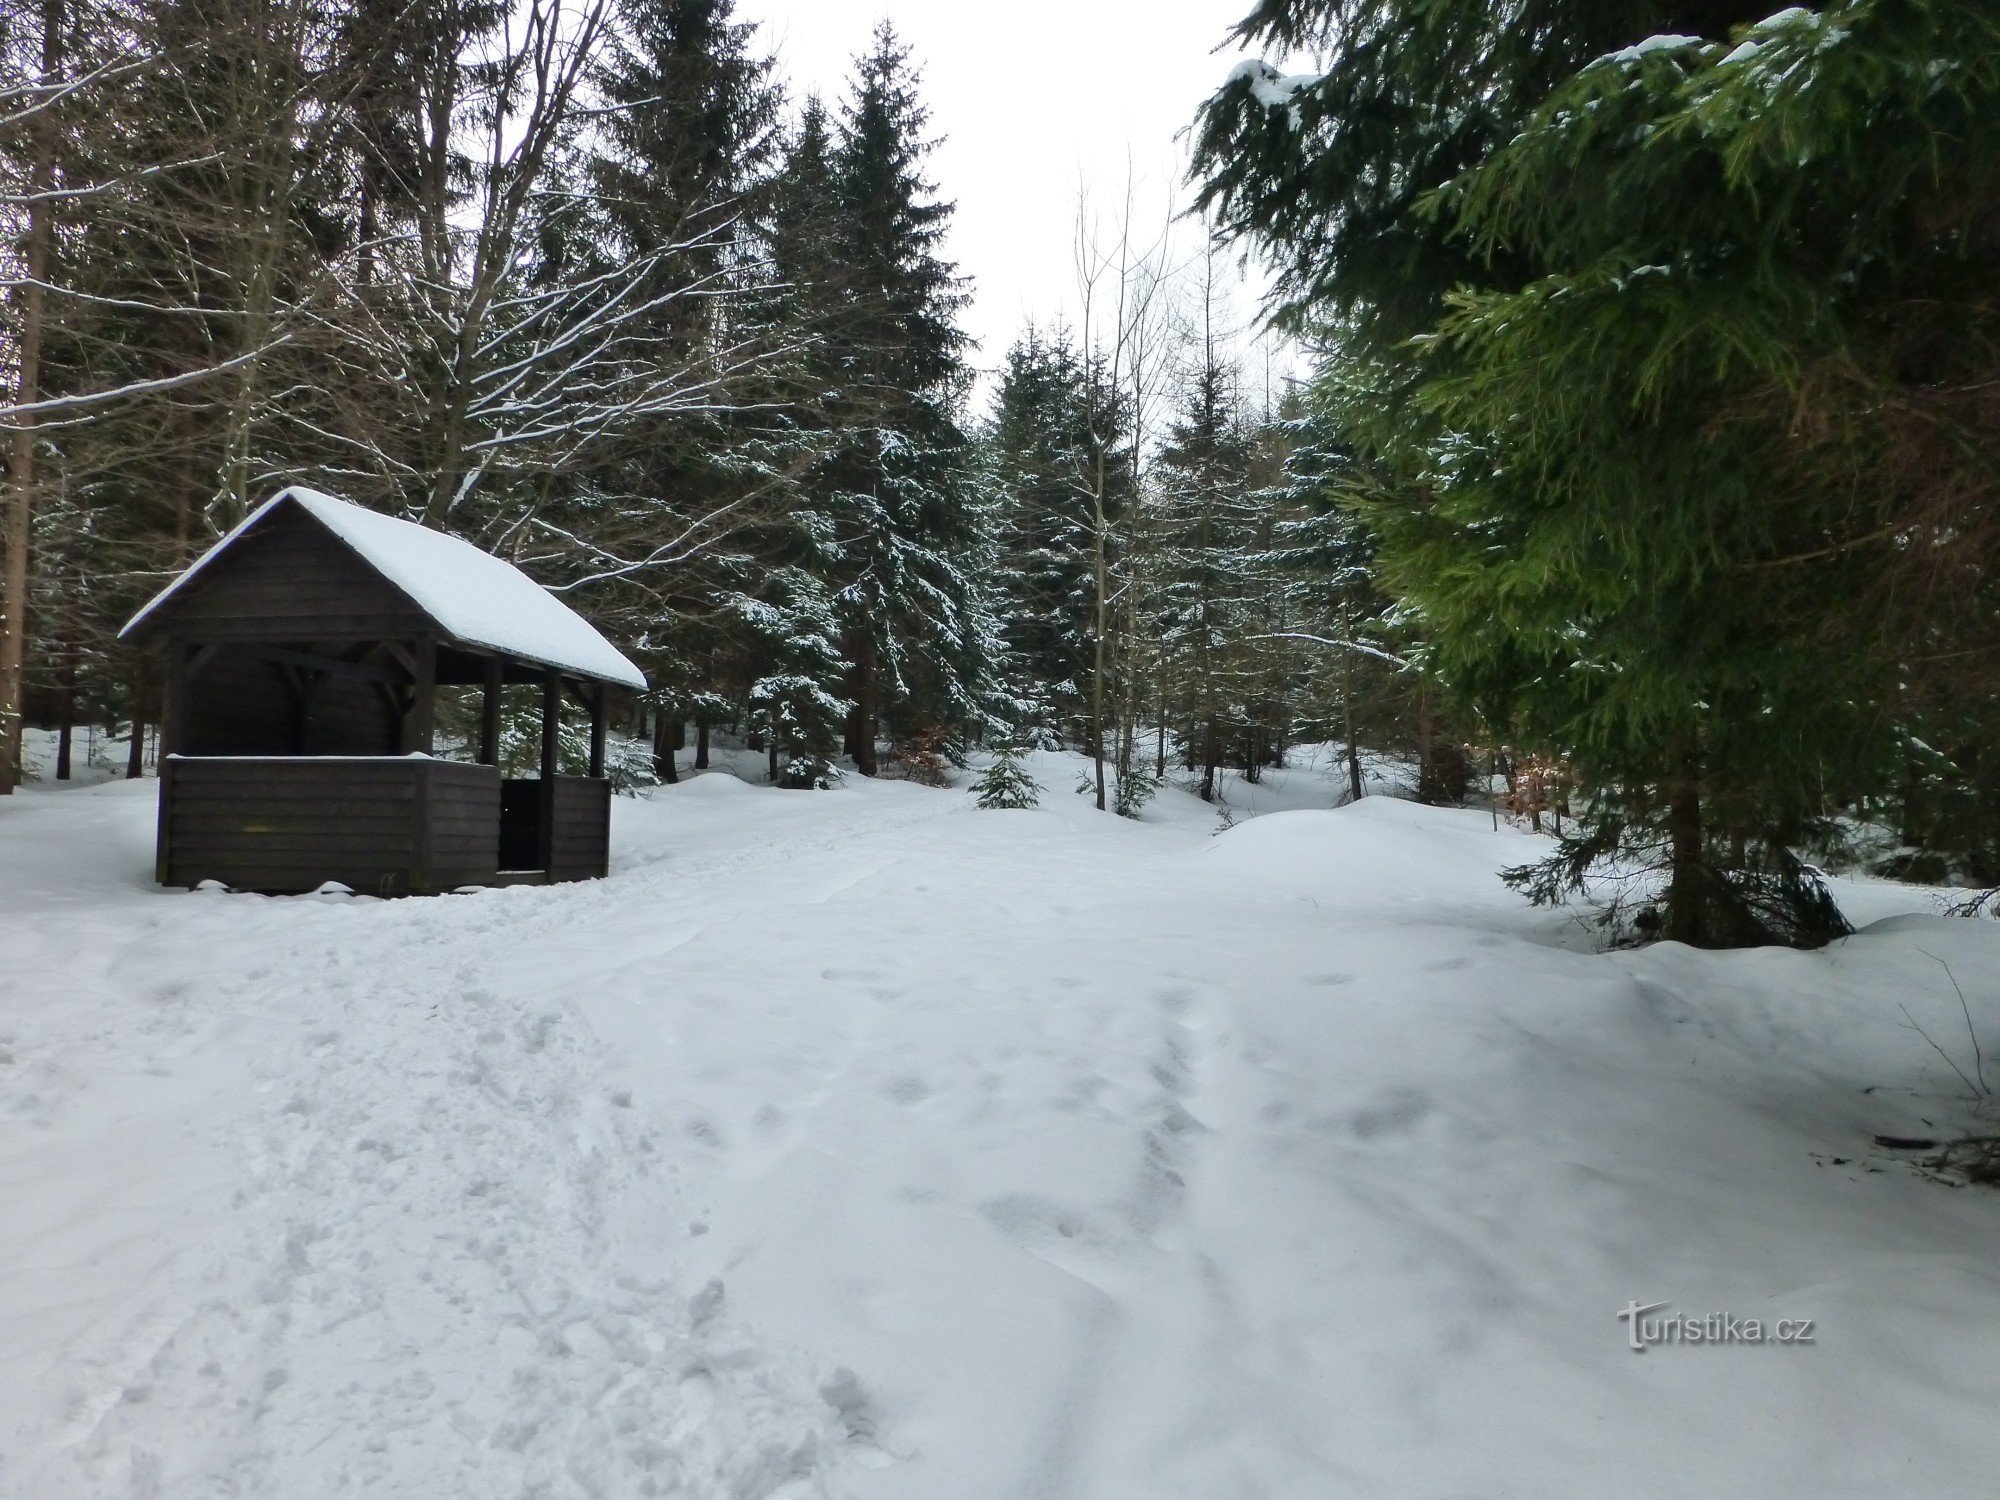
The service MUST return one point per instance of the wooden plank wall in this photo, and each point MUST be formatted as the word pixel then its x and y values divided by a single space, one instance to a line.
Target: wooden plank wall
pixel 464 824
pixel 237 705
pixel 382 826
pixel 291 579
pixel 240 705
pixel 582 829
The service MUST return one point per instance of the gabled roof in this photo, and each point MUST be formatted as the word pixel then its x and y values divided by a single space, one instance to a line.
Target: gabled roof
pixel 473 597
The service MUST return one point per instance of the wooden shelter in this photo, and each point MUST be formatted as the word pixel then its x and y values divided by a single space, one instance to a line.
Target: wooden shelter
pixel 304 652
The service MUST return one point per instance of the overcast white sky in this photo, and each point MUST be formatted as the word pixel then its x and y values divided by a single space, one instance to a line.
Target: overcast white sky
pixel 1032 97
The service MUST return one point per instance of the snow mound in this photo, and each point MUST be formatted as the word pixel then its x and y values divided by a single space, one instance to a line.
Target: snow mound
pixel 1376 848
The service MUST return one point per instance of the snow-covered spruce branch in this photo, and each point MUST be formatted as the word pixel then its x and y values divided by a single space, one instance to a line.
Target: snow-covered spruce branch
pixel 702 532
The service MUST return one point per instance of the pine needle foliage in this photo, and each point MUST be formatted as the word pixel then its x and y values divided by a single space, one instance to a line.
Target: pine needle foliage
pixel 1006 783
pixel 1689 476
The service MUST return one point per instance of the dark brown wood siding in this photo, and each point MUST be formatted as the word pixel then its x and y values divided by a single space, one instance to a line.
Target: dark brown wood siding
pixel 582 829
pixel 242 704
pixel 387 826
pixel 291 579
pixel 464 824
pixel 238 705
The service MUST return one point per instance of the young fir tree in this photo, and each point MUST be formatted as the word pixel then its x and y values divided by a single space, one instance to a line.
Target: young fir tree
pixel 789 706
pixel 1007 783
pixel 1659 486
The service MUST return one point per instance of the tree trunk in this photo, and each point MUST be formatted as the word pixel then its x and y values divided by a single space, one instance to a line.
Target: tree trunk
pixel 66 709
pixel 1354 788
pixel 1101 575
pixel 1426 735
pixel 1211 755
pixel 17 525
pixel 370 190
pixel 1685 897
pixel 135 756
pixel 665 764
pixel 701 746
pixel 862 732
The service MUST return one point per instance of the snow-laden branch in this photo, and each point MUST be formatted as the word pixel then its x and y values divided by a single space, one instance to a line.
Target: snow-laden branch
pixel 133 388
pixel 1362 648
pixel 699 533
pixel 43 96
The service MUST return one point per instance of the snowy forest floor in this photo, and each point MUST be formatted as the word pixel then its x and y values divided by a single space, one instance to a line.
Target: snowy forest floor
pixel 866 1144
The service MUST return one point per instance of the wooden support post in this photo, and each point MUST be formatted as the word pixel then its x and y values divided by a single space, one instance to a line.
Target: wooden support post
pixel 174 712
pixel 545 828
pixel 599 695
pixel 489 715
pixel 420 728
pixel 135 758
pixel 551 721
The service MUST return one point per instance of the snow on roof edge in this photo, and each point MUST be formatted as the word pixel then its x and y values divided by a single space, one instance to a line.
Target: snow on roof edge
pixel 474 597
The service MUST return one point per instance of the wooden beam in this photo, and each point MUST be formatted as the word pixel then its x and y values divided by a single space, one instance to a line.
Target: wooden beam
pixel 420 728
pixel 406 657
pixel 551 721
pixel 599 695
pixel 489 712
pixel 545 827
pixel 338 666
pixel 174 713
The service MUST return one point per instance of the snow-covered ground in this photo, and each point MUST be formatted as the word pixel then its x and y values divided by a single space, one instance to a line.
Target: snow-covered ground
pixel 866 1144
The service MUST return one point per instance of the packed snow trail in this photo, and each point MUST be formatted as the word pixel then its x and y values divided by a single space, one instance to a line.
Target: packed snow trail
pixel 863 1144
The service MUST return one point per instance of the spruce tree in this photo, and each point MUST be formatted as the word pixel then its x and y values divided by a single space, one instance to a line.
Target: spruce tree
pixel 1664 502
pixel 1329 166
pixel 1323 558
pixel 1007 783
pixel 913 624
pixel 1047 439
pixel 680 185
pixel 1208 535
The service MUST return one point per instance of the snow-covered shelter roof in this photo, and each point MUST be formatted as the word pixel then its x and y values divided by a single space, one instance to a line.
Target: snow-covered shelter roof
pixel 473 597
